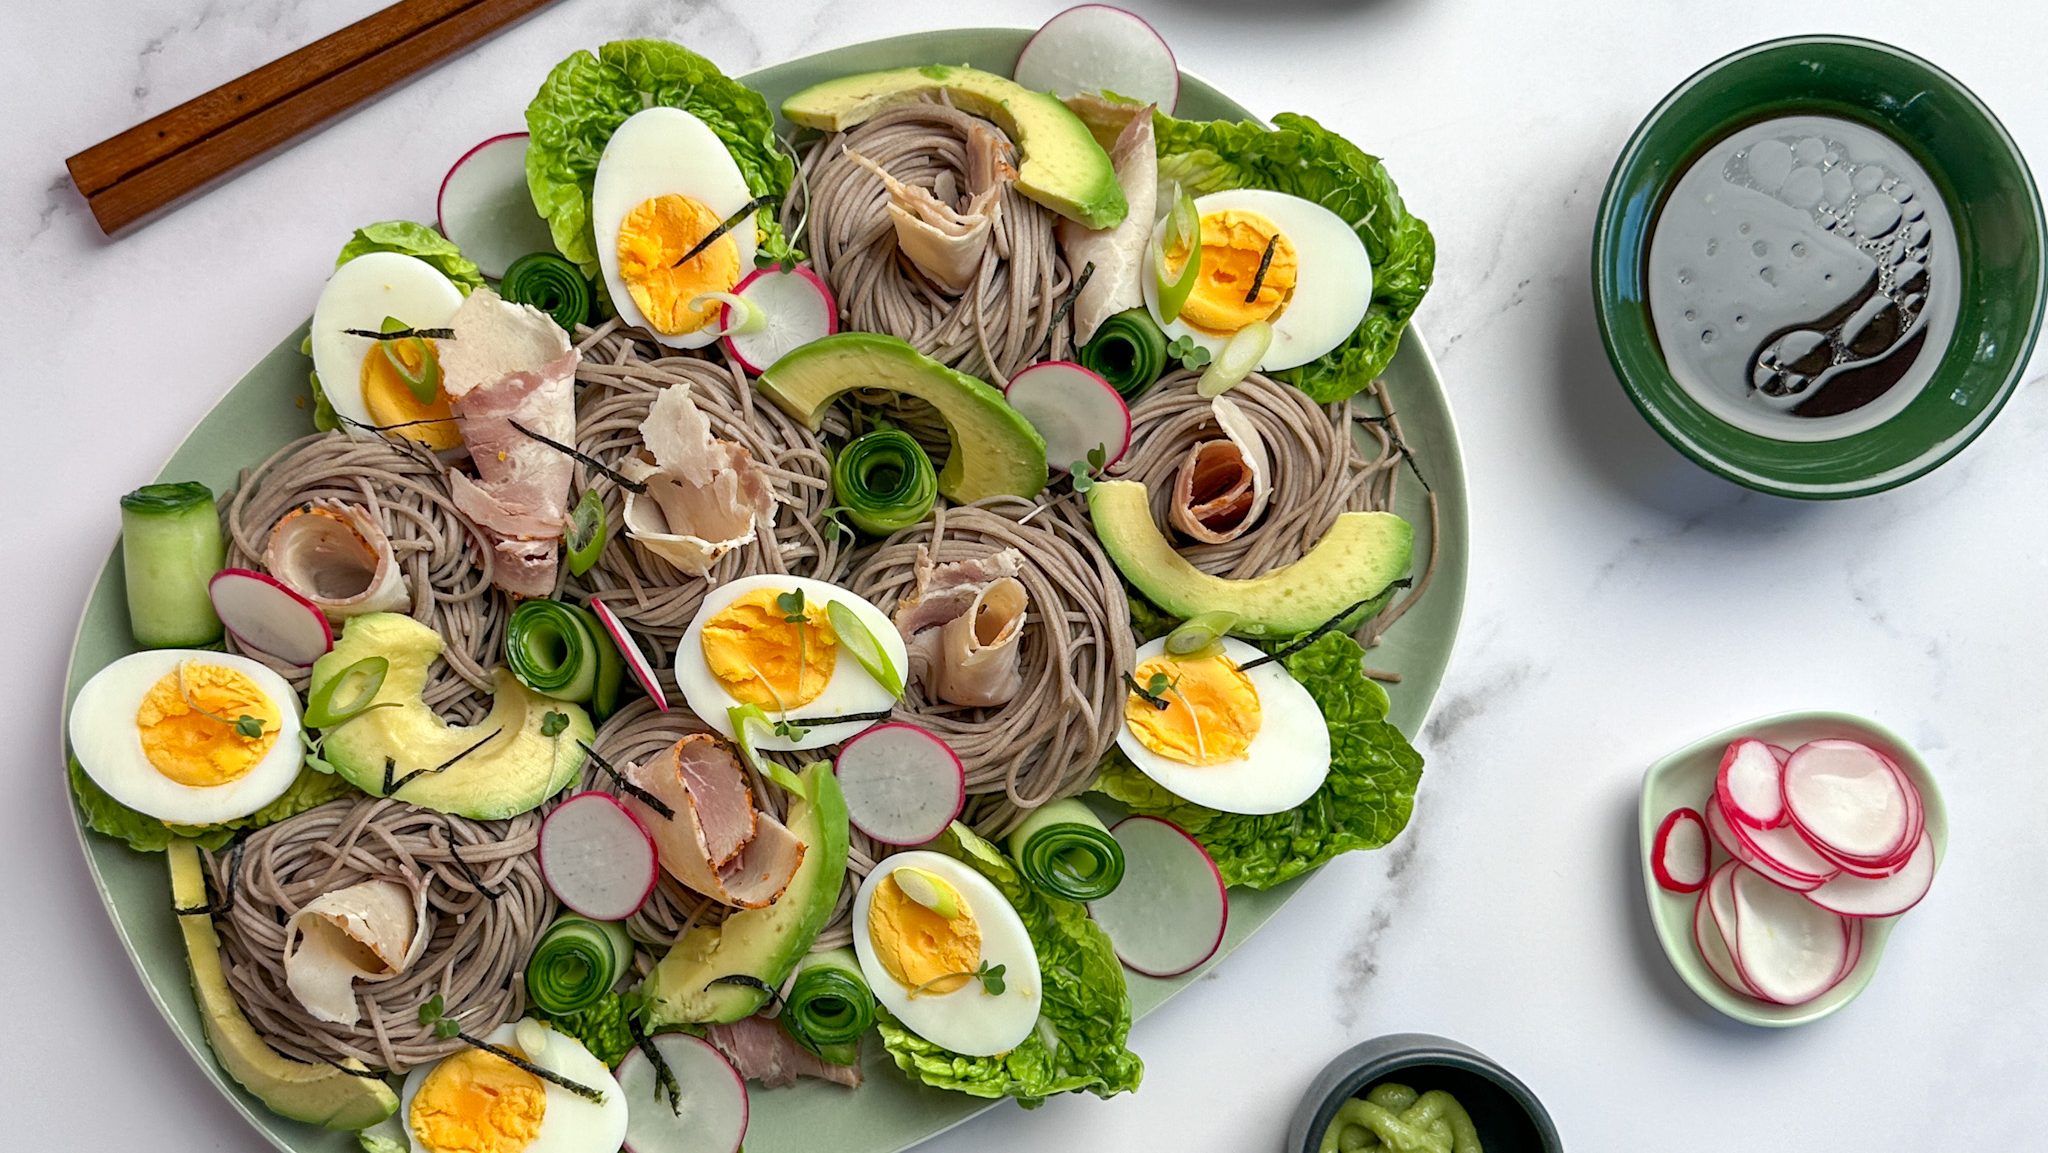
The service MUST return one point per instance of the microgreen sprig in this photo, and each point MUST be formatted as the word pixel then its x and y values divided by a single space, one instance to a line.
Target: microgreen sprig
pixel 990 976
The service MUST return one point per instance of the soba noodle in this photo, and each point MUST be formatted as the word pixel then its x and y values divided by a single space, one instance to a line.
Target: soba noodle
pixel 486 904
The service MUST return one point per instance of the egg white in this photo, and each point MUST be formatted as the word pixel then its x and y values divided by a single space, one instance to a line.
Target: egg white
pixel 108 744
pixel 968 1020
pixel 569 1123
pixel 1285 764
pixel 361 294
pixel 1331 290
pixel 851 690
pixel 660 152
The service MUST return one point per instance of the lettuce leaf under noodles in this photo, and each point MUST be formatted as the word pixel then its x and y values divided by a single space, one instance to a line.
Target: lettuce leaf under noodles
pixel 1083 1023
pixel 586 98
pixel 1302 158
pixel 145 834
pixel 1364 803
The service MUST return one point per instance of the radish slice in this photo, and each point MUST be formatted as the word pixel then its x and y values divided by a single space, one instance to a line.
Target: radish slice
pixel 1854 896
pixel 597 857
pixel 1075 410
pixel 1848 800
pixel 796 306
pixel 903 785
pixel 267 616
pixel 630 649
pixel 1097 48
pixel 1853 926
pixel 1720 895
pixel 1678 855
pixel 485 209
pixel 1713 947
pixel 1788 948
pixel 1168 914
pixel 1730 837
pixel 710 1113
pixel 1748 784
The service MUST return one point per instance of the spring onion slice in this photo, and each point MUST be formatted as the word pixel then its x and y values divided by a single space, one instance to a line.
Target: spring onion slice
pixel 829 1006
pixel 858 639
pixel 739 716
pixel 585 538
pixel 424 382
pixel 884 481
pixel 576 962
pixel 1177 257
pixel 326 707
pixel 551 284
pixel 1064 849
pixel 556 649
pixel 747 316
pixel 1198 635
pixel 1128 351
pixel 1240 357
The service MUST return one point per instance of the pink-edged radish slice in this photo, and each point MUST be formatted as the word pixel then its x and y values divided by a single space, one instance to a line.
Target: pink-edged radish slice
pixel 1783 850
pixel 1789 949
pixel 1074 409
pixel 1729 836
pixel 1720 895
pixel 1747 784
pixel 485 208
pixel 1713 947
pixel 796 309
pixel 597 858
pixel 266 615
pixel 1678 854
pixel 1854 896
pixel 903 785
pixel 1168 914
pixel 1096 48
pixel 630 649
pixel 1849 800
pixel 711 1108
pixel 1853 926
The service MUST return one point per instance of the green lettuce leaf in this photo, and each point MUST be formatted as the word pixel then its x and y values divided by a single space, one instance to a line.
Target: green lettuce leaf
pixel 1084 1019
pixel 1302 158
pixel 586 98
pixel 605 1027
pixel 145 834
pixel 1365 802
pixel 403 236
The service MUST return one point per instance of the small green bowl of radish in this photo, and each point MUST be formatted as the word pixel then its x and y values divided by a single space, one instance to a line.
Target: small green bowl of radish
pixel 1778 856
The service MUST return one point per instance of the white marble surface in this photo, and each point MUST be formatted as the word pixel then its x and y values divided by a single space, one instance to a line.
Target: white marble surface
pixel 1622 602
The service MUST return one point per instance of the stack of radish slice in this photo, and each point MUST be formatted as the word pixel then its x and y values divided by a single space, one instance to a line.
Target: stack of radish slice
pixel 1816 841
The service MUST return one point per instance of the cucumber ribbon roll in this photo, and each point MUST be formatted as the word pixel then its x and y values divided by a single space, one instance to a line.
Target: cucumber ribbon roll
pixel 560 650
pixel 829 1006
pixel 884 481
pixel 1064 849
pixel 576 962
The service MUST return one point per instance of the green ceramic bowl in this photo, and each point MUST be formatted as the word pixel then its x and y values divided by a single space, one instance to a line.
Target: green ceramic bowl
pixel 1686 778
pixel 1998 221
pixel 1506 1112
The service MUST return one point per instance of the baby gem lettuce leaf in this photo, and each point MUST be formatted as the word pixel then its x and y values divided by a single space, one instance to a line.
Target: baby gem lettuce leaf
pixel 1084 1019
pixel 1302 158
pixel 586 98
pixel 1364 804
pixel 145 834
pixel 403 236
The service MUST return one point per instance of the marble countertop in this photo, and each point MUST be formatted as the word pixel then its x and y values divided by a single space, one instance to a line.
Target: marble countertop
pixel 1622 601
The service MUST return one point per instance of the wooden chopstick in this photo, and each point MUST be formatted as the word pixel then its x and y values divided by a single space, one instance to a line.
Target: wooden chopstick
pixel 136 174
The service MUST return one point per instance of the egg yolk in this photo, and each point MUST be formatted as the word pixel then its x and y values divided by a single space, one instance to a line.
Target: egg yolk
pixel 923 951
pixel 391 401
pixel 652 238
pixel 1233 244
pixel 764 658
pixel 188 728
pixel 1211 714
pixel 476 1102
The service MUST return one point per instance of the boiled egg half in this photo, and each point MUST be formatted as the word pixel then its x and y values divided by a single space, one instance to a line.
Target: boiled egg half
pixel 472 1101
pixel 1234 739
pixel 947 954
pixel 370 381
pixel 1314 291
pixel 188 736
pixel 664 183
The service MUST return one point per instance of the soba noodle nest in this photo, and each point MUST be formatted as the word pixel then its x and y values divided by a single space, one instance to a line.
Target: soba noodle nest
pixel 1000 325
pixel 484 911
pixel 445 558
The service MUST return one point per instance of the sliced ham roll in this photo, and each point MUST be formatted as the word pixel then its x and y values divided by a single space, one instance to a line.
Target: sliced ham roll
pixel 369 932
pixel 705 496
pixel 945 237
pixel 336 555
pixel 963 627
pixel 717 843
pixel 1118 253
pixel 763 1051
pixel 505 363
pixel 1223 485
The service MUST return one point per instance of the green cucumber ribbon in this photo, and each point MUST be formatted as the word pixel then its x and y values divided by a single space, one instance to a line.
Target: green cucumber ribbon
pixel 561 651
pixel 1064 849
pixel 1128 351
pixel 884 481
pixel 575 963
pixel 551 284
pixel 829 1006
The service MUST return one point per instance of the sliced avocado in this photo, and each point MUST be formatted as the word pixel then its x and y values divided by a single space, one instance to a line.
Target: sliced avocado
pixel 1357 560
pixel 500 768
pixel 317 1094
pixel 1060 165
pixel 995 450
pixel 764 945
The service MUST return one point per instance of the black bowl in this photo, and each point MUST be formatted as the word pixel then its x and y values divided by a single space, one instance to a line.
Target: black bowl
pixel 1507 1115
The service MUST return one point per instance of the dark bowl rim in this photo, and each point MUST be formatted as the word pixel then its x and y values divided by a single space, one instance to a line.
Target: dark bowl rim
pixel 1422 1049
pixel 1604 239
